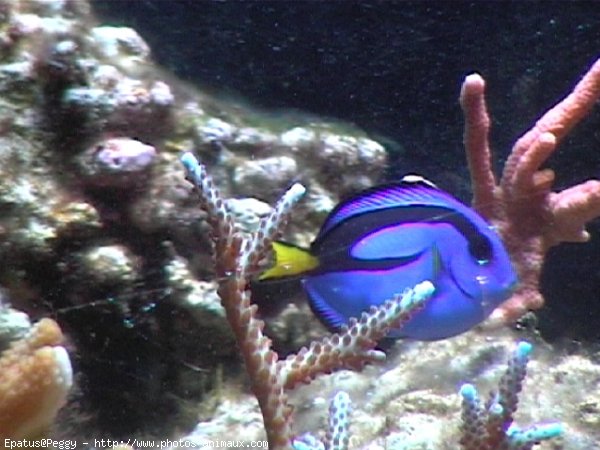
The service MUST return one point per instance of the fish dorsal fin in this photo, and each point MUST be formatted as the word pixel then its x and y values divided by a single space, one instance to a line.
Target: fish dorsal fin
pixel 411 190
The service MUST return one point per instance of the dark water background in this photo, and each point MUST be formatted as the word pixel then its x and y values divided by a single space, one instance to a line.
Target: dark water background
pixel 395 69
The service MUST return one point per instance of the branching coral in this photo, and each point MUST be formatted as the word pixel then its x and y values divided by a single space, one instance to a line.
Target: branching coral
pixel 35 377
pixel 490 426
pixel 338 433
pixel 236 258
pixel 484 427
pixel 529 216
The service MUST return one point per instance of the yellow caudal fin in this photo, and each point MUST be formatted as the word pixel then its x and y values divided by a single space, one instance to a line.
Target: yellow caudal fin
pixel 289 261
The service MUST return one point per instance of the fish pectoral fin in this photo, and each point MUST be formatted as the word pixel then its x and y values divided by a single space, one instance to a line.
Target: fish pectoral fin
pixel 436 260
pixel 290 260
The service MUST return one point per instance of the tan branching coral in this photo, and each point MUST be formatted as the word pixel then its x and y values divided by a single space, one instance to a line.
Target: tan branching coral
pixel 236 258
pixel 35 377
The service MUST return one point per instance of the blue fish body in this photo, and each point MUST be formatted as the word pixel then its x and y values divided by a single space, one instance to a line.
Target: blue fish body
pixel 386 239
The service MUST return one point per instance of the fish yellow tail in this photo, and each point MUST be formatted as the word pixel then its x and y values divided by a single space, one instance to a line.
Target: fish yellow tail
pixel 289 261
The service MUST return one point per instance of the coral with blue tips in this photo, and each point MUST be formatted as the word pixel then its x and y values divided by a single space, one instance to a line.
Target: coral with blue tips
pixel 338 433
pixel 490 426
pixel 487 426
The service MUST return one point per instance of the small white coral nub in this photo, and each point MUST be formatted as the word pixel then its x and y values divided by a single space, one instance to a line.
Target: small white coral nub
pixel 117 162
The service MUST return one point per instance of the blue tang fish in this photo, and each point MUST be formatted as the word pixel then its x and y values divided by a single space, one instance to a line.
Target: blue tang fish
pixel 388 238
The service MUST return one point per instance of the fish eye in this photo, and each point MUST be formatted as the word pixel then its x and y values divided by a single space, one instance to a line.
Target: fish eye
pixel 481 249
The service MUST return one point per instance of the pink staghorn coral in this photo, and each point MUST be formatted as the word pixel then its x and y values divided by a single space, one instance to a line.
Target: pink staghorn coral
pixel 530 217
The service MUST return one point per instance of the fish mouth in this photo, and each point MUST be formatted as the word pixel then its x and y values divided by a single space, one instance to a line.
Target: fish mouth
pixel 488 298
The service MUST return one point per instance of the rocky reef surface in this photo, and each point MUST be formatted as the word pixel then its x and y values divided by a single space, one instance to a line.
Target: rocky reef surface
pixel 412 403
pixel 99 230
